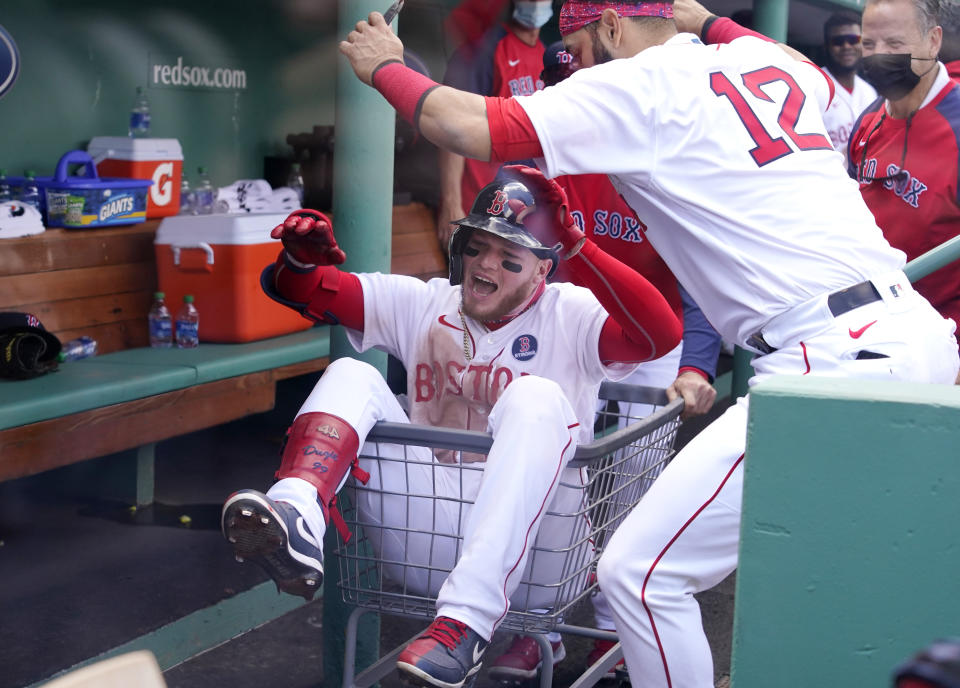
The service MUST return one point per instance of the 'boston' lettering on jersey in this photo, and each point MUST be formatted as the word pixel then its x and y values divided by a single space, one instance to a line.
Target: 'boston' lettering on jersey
pixel 482 383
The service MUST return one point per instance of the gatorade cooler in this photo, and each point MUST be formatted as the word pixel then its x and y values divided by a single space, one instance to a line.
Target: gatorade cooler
pixel 159 160
pixel 218 259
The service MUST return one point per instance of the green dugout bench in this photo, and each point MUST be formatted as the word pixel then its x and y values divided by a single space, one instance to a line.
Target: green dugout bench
pixel 133 398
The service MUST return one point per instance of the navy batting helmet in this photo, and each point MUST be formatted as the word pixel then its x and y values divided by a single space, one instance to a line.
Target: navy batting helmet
pixel 500 208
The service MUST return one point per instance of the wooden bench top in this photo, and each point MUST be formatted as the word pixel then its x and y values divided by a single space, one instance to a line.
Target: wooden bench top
pixel 136 373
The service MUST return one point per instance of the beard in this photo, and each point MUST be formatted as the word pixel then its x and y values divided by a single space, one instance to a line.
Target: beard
pixel 839 69
pixel 600 54
pixel 494 312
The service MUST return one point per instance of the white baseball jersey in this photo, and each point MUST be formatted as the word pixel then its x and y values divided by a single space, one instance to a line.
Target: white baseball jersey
pixel 419 323
pixel 844 110
pixel 652 121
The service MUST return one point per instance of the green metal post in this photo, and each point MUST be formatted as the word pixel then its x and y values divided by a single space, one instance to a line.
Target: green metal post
pixel 363 212
pixel 742 370
pixel 770 18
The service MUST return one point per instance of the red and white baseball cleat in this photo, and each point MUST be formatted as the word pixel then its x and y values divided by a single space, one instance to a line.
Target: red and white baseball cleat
pixel 447 655
pixel 600 648
pixel 522 660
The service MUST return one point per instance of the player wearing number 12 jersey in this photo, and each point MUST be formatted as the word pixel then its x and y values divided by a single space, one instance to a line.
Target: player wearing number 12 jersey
pixel 721 149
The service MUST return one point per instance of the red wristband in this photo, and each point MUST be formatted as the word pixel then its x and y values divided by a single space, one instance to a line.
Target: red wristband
pixel 404 88
pixel 691 369
pixel 724 30
pixel 512 135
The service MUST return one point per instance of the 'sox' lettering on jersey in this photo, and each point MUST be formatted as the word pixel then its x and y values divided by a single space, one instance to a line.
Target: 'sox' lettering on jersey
pixel 524 347
pixel 483 383
pixel 616 226
pixel 907 187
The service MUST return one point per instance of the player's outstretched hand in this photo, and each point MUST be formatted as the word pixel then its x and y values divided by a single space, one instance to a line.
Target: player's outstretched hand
pixel 307 235
pixel 689 16
pixel 553 225
pixel 697 392
pixel 369 45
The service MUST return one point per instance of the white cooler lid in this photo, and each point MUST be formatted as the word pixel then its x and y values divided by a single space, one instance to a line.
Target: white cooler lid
pixel 135 149
pixel 230 229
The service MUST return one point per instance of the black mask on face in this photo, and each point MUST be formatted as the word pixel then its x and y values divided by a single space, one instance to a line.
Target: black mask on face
pixel 891 75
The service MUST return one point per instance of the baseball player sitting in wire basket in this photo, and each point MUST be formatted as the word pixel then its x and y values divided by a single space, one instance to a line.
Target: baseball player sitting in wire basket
pixel 494 348
pixel 715 137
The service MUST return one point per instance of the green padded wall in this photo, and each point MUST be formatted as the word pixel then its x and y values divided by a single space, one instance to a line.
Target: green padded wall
pixel 850 546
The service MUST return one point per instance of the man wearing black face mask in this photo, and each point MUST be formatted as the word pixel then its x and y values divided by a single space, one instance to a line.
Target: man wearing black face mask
pixel 905 147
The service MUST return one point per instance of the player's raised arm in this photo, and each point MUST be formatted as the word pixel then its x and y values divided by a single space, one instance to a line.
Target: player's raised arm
pixel 642 325
pixel 692 17
pixel 305 277
pixel 451 119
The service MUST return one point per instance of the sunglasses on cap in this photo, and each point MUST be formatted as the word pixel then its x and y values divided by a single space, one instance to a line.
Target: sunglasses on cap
pixel 844 39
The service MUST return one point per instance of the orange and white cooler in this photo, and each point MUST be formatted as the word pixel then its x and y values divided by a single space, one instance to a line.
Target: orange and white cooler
pixel 159 160
pixel 218 259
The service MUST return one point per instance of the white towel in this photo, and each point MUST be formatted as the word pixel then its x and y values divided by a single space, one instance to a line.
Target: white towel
pixel 18 220
pixel 255 196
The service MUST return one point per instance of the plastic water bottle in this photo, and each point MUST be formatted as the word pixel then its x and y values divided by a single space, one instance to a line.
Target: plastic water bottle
pixel 188 324
pixel 140 115
pixel 75 349
pixel 161 325
pixel 205 194
pixel 187 201
pixel 5 193
pixel 295 181
pixel 31 192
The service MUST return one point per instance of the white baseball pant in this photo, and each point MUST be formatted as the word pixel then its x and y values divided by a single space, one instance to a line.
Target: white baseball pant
pixel 534 429
pixel 683 536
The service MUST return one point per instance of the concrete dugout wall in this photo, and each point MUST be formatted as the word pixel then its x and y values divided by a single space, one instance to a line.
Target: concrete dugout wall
pixel 850 539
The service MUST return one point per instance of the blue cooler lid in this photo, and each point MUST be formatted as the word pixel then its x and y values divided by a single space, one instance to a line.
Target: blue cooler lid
pixel 90 180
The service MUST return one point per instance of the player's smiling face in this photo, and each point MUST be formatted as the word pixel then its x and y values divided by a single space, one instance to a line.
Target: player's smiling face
pixel 843 46
pixel 499 277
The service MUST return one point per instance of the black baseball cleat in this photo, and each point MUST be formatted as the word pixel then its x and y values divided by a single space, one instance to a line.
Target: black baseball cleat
pixel 446 655
pixel 274 536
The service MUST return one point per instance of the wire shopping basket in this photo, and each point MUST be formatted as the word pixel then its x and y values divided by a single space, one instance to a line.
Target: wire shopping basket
pixel 398 567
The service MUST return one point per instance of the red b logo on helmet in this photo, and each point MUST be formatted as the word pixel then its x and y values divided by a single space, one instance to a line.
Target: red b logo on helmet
pixel 496 205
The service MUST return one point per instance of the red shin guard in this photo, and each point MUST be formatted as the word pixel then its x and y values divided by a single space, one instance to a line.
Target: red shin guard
pixel 322 449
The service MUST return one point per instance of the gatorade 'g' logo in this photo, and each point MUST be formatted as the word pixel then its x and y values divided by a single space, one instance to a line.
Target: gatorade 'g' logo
pixel 524 347
pixel 161 191
pixel 496 205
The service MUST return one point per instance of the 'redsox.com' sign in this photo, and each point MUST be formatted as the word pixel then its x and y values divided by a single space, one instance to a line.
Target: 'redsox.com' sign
pixel 177 73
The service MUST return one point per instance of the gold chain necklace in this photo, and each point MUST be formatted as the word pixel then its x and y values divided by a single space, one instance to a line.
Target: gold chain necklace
pixel 466 335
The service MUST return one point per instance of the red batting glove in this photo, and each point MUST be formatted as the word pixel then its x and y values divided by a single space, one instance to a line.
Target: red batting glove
pixel 553 224
pixel 307 235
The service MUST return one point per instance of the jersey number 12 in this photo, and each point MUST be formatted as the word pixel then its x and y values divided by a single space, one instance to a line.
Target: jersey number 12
pixel 767 147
